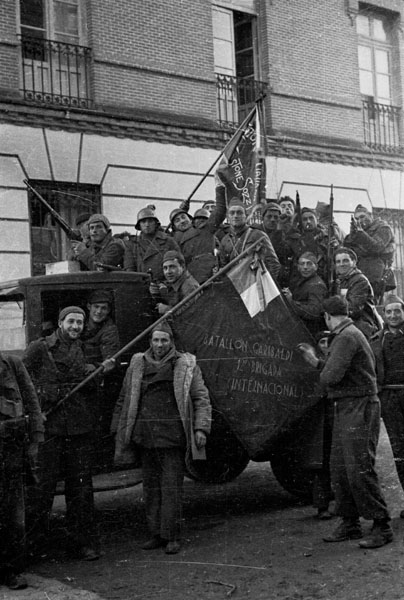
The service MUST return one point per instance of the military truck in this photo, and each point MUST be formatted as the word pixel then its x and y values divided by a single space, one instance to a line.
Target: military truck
pixel 265 400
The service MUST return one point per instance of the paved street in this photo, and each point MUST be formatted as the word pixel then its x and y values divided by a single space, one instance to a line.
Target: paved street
pixel 247 539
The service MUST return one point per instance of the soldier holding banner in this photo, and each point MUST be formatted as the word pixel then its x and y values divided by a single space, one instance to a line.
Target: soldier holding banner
pixel 241 236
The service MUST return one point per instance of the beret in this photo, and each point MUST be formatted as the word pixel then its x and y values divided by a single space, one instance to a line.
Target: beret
pixel 99 218
pixel 163 326
pixel 70 309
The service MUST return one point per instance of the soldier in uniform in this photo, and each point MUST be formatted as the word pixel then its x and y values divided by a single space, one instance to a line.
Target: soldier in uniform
pixel 56 364
pixel 355 287
pixel 177 285
pixel 144 252
pixel 198 242
pixel 388 347
pixel 241 236
pixel 103 251
pixel 372 240
pixel 18 399
pixel 100 342
pixel 307 293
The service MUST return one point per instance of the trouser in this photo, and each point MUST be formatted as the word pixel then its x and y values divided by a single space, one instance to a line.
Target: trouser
pixel 392 404
pixel 353 454
pixel 322 491
pixel 12 519
pixel 69 458
pixel 163 476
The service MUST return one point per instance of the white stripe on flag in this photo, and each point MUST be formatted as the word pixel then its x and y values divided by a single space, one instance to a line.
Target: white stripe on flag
pixel 256 287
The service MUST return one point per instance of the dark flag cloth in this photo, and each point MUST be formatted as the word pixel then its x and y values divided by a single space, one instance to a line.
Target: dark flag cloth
pixel 246 349
pixel 242 168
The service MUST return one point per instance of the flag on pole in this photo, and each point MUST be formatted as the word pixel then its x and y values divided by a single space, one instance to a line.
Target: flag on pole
pixel 257 379
pixel 255 285
pixel 242 168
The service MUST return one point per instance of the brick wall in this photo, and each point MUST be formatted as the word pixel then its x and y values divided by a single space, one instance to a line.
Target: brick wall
pixel 311 62
pixel 157 53
pixel 9 51
pixel 312 58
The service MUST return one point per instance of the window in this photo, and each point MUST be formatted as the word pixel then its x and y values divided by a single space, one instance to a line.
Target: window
pixel 236 63
pixel 376 78
pixel 55 61
pixel 374 52
pixel 49 243
pixel 12 321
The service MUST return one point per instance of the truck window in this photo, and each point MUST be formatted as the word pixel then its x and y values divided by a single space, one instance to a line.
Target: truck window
pixel 12 324
pixel 53 301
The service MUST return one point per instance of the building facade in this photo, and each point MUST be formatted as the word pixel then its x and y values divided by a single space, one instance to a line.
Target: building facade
pixel 111 106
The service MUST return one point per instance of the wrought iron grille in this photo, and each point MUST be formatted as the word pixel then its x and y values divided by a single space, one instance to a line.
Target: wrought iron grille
pixel 56 72
pixel 236 97
pixel 395 218
pixel 381 125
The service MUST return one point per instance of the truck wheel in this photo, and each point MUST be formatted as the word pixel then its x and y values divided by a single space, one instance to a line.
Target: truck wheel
pixel 292 476
pixel 221 465
pixel 225 456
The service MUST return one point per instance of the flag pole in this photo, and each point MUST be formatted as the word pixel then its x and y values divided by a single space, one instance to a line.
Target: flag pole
pixel 240 127
pixel 168 314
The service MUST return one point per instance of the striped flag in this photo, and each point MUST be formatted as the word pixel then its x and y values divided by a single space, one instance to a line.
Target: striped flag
pixel 242 168
pixel 254 284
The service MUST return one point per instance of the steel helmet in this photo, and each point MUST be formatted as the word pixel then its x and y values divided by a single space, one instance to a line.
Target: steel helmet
pixel 178 211
pixel 145 213
pixel 202 213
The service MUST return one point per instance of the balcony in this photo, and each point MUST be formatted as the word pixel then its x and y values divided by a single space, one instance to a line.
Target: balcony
pixel 56 73
pixel 381 126
pixel 235 98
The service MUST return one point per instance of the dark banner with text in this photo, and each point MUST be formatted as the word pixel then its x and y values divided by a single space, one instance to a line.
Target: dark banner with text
pixel 242 168
pixel 256 378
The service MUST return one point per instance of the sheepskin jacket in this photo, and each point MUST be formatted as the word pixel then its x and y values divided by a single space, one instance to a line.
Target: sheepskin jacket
pixel 190 393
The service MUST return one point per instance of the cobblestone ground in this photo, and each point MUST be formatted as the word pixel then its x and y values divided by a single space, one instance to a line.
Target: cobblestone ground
pixel 248 539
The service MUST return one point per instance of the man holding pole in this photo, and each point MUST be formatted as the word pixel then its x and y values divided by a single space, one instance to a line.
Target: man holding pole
pixel 241 236
pixel 163 411
pixel 56 363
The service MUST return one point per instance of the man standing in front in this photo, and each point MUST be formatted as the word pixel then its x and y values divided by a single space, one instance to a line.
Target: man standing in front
pixel 388 347
pixel 56 364
pixel 348 375
pixel 164 410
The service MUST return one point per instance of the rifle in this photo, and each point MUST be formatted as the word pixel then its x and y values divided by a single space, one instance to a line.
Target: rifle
pixel 299 213
pixel 330 250
pixel 72 234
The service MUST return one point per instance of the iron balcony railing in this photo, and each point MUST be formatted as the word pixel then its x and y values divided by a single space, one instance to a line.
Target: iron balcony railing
pixel 56 72
pixel 235 97
pixel 381 125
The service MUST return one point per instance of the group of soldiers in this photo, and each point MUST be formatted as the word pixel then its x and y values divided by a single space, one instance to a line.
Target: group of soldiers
pixel 164 410
pixel 304 250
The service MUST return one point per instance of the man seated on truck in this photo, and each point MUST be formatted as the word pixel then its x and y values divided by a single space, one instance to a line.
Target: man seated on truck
pixel 100 342
pixel 177 285
pixel 104 252
pixel 144 252
pixel 57 364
